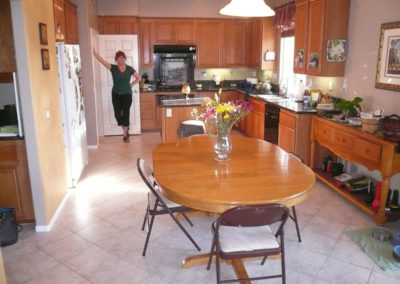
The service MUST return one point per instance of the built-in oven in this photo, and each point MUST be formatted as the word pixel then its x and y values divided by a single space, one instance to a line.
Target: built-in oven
pixel 271 128
pixel 174 65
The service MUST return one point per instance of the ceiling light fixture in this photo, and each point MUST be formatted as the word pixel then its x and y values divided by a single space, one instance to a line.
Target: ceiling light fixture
pixel 247 8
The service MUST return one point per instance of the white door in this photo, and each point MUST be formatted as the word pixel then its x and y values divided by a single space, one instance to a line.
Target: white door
pixel 108 46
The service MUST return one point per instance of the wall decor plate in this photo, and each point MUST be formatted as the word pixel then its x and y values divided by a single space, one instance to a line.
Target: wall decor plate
pixel 336 50
pixel 388 69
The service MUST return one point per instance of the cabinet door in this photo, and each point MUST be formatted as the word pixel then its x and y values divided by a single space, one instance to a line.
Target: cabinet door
pixel 286 138
pixel 234 43
pixel 254 47
pixel 209 43
pixel 71 23
pixel 146 43
pixel 300 39
pixel 148 119
pixel 164 31
pixel 315 38
pixel 128 26
pixel 109 25
pixel 7 54
pixel 59 17
pixel 258 125
pixel 185 31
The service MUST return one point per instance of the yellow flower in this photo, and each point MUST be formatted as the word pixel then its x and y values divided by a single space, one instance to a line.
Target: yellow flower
pixel 220 109
pixel 226 116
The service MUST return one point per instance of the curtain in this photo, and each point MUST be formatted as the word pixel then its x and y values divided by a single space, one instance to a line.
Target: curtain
pixel 284 16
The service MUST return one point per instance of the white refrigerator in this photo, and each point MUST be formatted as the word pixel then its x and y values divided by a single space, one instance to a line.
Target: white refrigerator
pixel 72 111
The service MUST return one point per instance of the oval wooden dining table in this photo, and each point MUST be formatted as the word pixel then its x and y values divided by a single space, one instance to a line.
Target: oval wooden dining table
pixel 258 172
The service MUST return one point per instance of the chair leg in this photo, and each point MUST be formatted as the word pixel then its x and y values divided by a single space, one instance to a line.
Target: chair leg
pixel 264 259
pixel 283 258
pixel 146 215
pixel 184 231
pixel 211 253
pixel 187 219
pixel 148 235
pixel 296 223
pixel 217 267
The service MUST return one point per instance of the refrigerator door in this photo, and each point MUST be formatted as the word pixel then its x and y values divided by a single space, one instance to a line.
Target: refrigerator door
pixel 73 111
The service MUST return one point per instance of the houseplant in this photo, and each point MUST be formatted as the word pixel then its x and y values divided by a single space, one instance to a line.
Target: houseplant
pixel 349 108
pixel 222 117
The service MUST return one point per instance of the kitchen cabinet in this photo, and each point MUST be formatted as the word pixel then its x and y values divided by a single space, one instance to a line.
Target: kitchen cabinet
pixel 59 19
pixel 351 144
pixel 174 31
pixel 118 25
pixel 234 43
pixel 262 36
pixel 71 23
pixel 294 133
pixel 325 20
pixel 7 54
pixel 255 121
pixel 209 43
pixel 146 31
pixel 15 185
pixel 148 111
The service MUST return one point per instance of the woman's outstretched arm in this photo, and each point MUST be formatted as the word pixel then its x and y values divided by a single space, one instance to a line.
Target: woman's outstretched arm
pixel 136 76
pixel 102 60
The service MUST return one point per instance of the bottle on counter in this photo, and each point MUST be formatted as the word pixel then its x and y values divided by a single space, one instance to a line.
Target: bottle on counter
pixel 300 91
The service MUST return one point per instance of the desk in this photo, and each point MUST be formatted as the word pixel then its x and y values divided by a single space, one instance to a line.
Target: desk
pixel 257 173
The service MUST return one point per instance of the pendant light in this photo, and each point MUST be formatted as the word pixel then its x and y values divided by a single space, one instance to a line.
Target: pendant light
pixel 247 8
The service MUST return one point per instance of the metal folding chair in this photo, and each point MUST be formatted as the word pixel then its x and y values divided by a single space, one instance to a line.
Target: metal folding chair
pixel 158 204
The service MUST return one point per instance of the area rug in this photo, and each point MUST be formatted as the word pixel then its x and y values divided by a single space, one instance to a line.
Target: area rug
pixel 381 252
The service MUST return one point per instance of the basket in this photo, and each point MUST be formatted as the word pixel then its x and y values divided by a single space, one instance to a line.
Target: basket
pixel 370 125
pixel 391 128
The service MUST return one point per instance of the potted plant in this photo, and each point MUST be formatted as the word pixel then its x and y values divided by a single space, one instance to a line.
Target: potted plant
pixel 349 108
pixel 145 80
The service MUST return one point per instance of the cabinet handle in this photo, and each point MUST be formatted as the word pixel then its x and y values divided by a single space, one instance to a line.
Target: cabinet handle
pixel 367 150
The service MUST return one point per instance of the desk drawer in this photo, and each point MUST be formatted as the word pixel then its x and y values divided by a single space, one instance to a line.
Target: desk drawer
pixel 325 133
pixel 367 150
pixel 344 140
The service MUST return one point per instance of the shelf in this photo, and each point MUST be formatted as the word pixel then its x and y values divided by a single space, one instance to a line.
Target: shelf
pixel 357 198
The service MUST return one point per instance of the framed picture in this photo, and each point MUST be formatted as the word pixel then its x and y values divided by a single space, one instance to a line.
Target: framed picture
pixel 43 34
pixel 45 59
pixel 388 69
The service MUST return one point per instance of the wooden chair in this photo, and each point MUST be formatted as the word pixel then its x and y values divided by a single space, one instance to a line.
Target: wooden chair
pixel 245 231
pixel 158 204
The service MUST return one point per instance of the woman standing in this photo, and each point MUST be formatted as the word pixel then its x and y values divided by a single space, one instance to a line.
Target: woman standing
pixel 122 88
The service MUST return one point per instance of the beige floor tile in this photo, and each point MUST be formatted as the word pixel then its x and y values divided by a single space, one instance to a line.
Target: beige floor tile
pixel 59 274
pixel 334 271
pixel 349 252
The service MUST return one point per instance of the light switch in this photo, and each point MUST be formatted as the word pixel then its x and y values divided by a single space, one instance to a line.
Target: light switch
pixel 47 113
pixel 330 86
pixel 169 112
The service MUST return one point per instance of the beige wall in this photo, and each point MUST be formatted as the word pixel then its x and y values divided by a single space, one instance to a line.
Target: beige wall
pixel 117 7
pixel 45 97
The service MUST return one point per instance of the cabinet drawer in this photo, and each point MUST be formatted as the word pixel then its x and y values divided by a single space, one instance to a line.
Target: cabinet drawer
pixel 325 133
pixel 259 106
pixel 343 140
pixel 367 150
pixel 287 120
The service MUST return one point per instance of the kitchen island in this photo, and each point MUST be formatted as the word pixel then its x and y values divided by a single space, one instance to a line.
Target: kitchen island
pixel 176 108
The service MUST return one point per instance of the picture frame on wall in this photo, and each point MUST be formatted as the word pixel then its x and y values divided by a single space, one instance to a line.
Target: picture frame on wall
pixel 388 69
pixel 45 59
pixel 43 34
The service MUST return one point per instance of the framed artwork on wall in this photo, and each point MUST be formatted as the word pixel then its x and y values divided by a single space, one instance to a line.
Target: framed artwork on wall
pixel 43 34
pixel 45 59
pixel 388 69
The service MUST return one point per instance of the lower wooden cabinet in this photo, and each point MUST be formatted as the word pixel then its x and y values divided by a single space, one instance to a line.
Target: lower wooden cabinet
pixel 148 111
pixel 294 133
pixel 254 123
pixel 15 190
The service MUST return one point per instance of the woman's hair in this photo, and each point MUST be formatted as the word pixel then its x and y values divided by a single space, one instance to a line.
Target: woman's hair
pixel 120 54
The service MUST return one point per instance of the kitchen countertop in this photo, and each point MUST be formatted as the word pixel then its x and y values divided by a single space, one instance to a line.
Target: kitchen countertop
pixel 2 138
pixel 288 104
pixel 179 100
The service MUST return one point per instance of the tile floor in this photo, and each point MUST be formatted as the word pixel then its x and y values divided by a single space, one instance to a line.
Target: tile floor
pixel 97 238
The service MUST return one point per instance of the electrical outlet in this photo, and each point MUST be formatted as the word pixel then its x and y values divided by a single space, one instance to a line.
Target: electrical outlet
pixel 330 86
pixel 169 112
pixel 47 113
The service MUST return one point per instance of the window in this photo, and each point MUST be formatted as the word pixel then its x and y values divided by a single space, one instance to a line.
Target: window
pixel 288 81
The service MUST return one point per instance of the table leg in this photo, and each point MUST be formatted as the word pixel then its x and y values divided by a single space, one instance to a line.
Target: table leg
pixel 380 217
pixel 240 270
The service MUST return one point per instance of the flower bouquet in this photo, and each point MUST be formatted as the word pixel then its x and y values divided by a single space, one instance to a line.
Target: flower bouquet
pixel 222 117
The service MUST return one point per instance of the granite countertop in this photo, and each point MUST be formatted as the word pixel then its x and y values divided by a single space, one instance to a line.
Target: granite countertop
pixel 168 100
pixel 2 138
pixel 286 103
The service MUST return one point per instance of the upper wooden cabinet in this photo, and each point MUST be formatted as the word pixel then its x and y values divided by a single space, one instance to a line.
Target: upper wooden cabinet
pixel 146 33
pixel 209 43
pixel 7 55
pixel 118 25
pixel 234 43
pixel 174 31
pixel 262 36
pixel 59 18
pixel 325 20
pixel 71 23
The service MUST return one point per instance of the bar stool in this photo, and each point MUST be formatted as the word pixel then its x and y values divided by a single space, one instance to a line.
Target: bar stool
pixel 191 127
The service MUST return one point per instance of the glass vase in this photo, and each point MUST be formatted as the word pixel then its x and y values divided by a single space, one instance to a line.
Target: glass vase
pixel 222 145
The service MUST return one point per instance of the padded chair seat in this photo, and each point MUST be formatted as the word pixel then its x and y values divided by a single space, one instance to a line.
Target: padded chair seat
pixel 234 239
pixel 168 202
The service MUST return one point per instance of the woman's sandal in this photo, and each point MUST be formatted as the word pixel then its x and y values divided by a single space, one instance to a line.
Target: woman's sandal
pixel 126 138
